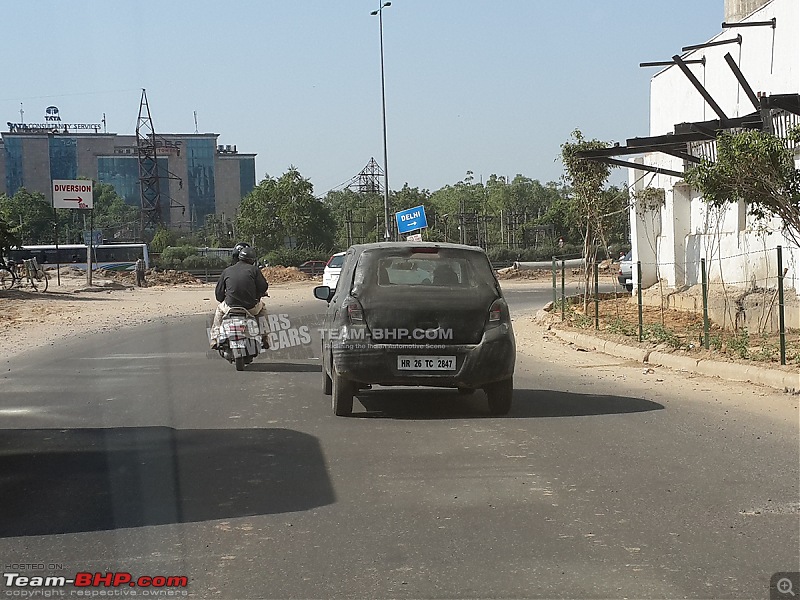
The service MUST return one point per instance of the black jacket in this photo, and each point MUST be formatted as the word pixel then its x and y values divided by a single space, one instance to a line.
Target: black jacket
pixel 241 284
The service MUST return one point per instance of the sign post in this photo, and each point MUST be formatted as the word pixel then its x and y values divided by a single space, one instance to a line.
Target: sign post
pixel 58 257
pixel 411 219
pixel 76 193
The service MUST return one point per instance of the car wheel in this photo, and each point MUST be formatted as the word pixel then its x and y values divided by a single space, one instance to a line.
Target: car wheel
pixel 499 395
pixel 327 384
pixel 342 394
pixel 466 391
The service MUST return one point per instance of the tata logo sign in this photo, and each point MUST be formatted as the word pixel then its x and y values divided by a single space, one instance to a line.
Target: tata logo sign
pixel 52 124
pixel 51 114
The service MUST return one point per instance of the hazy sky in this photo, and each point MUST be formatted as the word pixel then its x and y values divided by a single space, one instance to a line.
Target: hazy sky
pixel 491 86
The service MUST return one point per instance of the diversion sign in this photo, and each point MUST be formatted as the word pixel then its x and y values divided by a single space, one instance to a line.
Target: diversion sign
pixel 72 193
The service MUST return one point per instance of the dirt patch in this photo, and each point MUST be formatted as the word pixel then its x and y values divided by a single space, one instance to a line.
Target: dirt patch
pixel 277 274
pixel 152 277
pixel 280 274
pixel 512 273
pixel 672 330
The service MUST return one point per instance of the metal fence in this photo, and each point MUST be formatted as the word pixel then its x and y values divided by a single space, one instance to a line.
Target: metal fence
pixel 752 318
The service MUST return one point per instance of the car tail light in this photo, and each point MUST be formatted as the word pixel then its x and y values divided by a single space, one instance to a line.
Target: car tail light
pixel 425 250
pixel 496 311
pixel 355 312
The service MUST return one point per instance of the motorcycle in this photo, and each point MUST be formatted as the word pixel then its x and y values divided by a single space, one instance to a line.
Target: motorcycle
pixel 239 339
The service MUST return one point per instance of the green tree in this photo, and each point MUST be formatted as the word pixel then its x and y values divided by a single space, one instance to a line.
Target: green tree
pixel 756 167
pixel 112 214
pixel 358 216
pixel 162 238
pixel 283 208
pixel 31 215
pixel 458 208
pixel 8 237
pixel 587 179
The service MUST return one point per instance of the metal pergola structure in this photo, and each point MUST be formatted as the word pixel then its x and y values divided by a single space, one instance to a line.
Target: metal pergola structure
pixel 686 135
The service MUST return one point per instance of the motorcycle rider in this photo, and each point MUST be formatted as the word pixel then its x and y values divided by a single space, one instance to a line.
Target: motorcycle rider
pixel 243 285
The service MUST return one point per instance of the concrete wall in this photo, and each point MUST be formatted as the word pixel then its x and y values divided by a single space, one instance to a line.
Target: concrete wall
pixel 227 185
pixel 736 10
pixel 732 308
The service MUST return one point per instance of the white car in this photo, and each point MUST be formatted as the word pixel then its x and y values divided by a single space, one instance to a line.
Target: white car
pixel 330 276
pixel 625 274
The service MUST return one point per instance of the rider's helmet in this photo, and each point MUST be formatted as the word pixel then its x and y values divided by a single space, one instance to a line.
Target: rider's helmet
pixel 247 255
pixel 238 248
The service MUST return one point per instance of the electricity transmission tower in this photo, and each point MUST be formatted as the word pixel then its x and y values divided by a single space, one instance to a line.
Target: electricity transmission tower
pixel 149 177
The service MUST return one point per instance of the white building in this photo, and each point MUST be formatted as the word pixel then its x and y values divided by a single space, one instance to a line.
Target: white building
pixel 762 39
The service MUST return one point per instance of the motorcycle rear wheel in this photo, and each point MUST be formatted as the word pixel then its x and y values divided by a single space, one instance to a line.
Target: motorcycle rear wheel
pixel 240 363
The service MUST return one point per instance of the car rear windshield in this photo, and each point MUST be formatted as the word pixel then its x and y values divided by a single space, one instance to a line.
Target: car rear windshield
pixel 336 261
pixel 451 267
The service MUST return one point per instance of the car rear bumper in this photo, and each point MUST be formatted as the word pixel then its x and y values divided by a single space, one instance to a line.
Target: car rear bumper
pixel 477 365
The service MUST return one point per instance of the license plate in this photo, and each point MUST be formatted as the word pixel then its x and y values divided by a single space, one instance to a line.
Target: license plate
pixel 426 363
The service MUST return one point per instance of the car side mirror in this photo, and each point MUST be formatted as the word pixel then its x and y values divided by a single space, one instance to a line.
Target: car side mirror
pixel 323 292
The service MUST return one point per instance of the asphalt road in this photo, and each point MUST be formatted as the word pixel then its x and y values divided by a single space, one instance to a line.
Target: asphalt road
pixel 136 451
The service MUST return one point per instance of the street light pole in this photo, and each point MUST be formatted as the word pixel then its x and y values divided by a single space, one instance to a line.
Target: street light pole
pixel 386 234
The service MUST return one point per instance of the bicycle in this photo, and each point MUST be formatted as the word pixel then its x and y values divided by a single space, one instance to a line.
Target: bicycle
pixel 35 275
pixel 8 275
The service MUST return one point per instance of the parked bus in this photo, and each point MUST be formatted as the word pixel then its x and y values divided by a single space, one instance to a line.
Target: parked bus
pixel 114 257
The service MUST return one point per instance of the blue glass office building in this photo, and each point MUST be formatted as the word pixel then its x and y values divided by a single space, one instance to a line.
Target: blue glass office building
pixel 199 176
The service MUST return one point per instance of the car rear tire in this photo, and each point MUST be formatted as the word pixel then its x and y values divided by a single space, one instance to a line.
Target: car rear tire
pixel 327 384
pixel 500 395
pixel 342 394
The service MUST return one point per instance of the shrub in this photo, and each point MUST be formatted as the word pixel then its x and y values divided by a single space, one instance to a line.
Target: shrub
pixel 660 335
pixel 739 344
pixel 196 261
pixel 177 253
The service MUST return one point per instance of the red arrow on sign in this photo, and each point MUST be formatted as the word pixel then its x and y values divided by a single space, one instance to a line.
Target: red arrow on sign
pixel 79 200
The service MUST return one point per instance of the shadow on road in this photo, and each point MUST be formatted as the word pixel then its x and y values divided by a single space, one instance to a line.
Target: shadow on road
pixel 283 367
pixel 552 403
pixel 65 481
pixel 425 403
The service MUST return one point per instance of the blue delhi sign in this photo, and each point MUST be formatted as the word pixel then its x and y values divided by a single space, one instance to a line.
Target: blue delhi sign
pixel 411 219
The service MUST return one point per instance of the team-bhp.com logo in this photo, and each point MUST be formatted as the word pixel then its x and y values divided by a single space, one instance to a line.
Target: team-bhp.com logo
pixel 32 585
